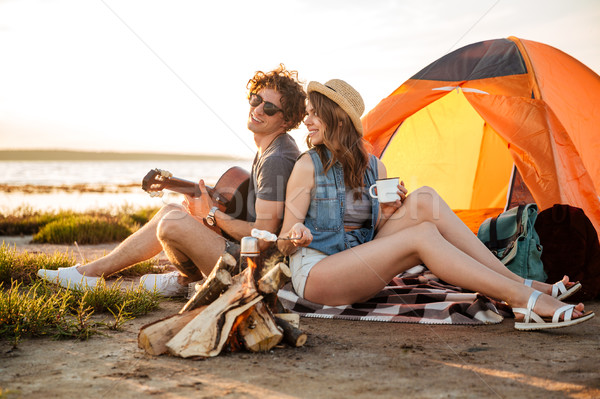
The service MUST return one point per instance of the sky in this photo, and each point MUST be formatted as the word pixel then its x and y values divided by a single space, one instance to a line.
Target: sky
pixel 170 76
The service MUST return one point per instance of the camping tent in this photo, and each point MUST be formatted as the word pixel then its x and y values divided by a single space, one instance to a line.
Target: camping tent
pixel 461 124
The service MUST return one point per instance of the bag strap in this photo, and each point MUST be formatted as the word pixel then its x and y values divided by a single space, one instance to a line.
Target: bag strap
pixel 520 227
pixel 494 242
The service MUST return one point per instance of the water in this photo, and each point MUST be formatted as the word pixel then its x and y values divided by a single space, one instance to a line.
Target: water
pixel 114 176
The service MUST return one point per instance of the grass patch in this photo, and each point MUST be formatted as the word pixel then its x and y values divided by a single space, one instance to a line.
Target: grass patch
pixel 26 221
pixel 43 309
pixel 24 266
pixel 64 227
pixel 83 229
pixel 30 307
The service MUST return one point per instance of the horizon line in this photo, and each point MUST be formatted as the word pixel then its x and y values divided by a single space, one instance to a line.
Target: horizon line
pixel 83 155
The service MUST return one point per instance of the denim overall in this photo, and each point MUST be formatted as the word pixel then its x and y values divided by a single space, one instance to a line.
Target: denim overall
pixel 325 217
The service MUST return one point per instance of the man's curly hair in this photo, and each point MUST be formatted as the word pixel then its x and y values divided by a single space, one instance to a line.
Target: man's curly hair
pixel 293 96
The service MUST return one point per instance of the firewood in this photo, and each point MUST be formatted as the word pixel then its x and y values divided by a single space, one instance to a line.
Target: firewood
pixel 216 282
pixel 258 331
pixel 154 336
pixel 273 303
pixel 206 334
pixel 292 318
pixel 227 262
pixel 276 278
pixel 291 335
pixel 267 260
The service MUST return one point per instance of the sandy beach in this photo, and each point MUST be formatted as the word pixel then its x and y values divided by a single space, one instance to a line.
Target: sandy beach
pixel 340 359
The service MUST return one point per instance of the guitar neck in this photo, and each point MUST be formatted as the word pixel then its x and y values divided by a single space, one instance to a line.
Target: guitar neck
pixel 186 187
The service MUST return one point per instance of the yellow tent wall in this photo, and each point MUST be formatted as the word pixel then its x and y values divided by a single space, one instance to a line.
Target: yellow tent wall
pixel 447 145
pixel 527 103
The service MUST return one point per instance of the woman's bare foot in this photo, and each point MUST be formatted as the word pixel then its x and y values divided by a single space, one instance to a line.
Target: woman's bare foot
pixel 546 306
pixel 547 288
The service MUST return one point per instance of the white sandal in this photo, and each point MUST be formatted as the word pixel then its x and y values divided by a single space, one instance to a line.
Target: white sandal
pixel 559 290
pixel 533 321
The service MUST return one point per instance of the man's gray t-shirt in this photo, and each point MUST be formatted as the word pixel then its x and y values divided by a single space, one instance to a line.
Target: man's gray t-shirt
pixel 271 171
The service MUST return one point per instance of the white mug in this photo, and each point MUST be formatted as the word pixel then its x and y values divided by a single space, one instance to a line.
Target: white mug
pixel 387 189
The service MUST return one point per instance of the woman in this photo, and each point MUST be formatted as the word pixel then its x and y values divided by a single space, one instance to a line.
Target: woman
pixel 347 246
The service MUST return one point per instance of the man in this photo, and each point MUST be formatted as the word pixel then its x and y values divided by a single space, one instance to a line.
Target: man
pixel 277 105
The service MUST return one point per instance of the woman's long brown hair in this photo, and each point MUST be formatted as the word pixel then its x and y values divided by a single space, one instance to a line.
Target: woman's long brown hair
pixel 341 138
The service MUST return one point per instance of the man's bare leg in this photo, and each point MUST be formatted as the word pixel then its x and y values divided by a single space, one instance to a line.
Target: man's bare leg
pixel 140 246
pixel 191 246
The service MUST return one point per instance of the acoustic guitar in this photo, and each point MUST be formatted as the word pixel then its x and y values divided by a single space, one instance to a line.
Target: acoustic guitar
pixel 230 193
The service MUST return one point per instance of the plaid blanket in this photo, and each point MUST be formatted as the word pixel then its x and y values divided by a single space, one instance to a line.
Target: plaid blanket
pixel 409 298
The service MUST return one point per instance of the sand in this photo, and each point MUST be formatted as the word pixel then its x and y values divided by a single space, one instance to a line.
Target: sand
pixel 340 359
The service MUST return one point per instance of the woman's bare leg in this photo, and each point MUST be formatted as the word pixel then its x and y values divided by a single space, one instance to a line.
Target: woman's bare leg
pixel 358 273
pixel 425 205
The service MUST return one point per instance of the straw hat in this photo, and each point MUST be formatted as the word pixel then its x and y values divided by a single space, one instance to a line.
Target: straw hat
pixel 343 95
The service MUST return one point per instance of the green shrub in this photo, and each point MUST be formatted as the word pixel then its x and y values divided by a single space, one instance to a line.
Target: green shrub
pixel 105 298
pixel 43 309
pixel 24 266
pixel 142 216
pixel 83 229
pixel 31 307
pixel 27 221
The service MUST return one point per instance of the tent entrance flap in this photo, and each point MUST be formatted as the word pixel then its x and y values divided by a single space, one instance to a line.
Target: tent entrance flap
pixel 449 147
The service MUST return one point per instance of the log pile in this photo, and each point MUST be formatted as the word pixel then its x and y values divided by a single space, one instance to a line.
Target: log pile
pixel 228 313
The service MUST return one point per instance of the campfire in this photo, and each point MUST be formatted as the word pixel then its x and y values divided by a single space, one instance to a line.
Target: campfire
pixel 228 312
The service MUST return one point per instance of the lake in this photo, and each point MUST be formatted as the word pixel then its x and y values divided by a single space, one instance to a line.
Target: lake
pixel 22 182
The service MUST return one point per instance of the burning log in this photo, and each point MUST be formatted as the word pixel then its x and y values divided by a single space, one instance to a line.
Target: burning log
pixel 291 335
pixel 275 278
pixel 217 281
pixel 153 337
pixel 258 331
pixel 271 282
pixel 229 312
pixel 206 334
pixel 214 285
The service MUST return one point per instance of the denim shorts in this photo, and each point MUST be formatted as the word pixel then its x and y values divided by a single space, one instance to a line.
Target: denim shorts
pixel 301 263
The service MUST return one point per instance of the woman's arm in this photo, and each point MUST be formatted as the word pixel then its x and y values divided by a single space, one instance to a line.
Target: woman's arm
pixel 387 209
pixel 297 202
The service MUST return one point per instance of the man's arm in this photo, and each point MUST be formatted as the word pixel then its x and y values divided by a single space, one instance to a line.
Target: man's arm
pixel 269 215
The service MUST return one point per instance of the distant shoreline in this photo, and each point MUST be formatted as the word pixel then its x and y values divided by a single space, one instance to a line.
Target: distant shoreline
pixel 69 155
pixel 70 188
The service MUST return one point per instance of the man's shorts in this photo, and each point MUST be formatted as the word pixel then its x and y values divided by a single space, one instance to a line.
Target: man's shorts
pixel 301 263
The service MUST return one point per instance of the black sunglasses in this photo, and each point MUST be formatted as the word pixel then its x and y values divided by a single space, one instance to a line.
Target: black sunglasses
pixel 269 108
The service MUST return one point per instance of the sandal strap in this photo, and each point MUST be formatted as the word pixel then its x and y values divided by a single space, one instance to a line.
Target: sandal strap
pixel 558 288
pixel 530 304
pixel 567 310
pixel 527 282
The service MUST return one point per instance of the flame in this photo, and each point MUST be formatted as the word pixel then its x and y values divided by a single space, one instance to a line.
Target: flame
pixel 250 273
pixel 234 342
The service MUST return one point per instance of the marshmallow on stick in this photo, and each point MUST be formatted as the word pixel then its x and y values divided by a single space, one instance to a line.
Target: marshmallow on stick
pixel 263 235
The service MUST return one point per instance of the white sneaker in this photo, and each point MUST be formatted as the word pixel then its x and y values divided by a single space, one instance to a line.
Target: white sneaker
pixel 165 284
pixel 69 277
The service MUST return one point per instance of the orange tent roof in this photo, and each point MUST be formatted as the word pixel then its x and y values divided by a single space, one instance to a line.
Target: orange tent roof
pixel 460 124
